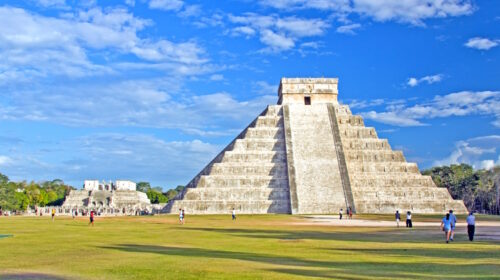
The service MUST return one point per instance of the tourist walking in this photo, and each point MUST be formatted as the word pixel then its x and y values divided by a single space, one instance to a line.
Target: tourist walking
pixel 234 214
pixel 73 214
pixel 453 219
pixel 340 213
pixel 446 227
pixel 350 213
pixel 53 214
pixel 181 216
pixel 471 225
pixel 398 217
pixel 409 224
pixel 91 218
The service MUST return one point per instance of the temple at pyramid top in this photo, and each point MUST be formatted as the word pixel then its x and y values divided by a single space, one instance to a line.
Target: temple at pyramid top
pixel 308 90
pixel 310 155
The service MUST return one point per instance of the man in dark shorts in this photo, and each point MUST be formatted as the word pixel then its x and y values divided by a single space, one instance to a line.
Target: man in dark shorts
pixel 91 218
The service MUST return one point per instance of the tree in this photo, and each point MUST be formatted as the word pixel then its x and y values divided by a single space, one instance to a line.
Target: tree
pixel 143 187
pixel 3 179
pixel 156 197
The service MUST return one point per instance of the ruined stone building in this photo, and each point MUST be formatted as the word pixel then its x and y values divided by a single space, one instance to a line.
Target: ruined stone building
pixel 309 154
pixel 120 197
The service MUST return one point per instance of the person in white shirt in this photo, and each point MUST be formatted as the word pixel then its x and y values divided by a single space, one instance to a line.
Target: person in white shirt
pixel 408 220
pixel 234 214
pixel 471 225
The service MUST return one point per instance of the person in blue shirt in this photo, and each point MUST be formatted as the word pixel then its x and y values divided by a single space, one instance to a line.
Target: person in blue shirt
pixel 471 225
pixel 453 219
pixel 446 226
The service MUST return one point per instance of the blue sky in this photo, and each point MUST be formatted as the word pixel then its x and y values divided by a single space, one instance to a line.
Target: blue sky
pixel 151 90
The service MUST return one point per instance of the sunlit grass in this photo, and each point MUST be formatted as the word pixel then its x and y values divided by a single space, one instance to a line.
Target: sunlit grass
pixel 262 247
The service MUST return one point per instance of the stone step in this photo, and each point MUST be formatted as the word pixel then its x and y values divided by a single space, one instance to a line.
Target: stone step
pixel 391 167
pixel 242 181
pixel 249 169
pixel 390 206
pixel 258 145
pixel 272 121
pixel 357 132
pixel 390 181
pixel 224 206
pixel 373 156
pixel 350 120
pixel 402 193
pixel 237 193
pixel 265 132
pixel 274 110
pixel 258 157
pixel 365 143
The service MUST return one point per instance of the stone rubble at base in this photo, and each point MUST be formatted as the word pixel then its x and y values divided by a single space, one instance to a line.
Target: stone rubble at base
pixel 311 159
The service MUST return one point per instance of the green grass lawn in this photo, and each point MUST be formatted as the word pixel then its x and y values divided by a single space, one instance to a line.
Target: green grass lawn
pixel 253 247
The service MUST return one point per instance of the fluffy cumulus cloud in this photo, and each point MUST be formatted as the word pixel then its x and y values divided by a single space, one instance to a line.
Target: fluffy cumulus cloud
pixel 463 103
pixel 481 43
pixel 412 82
pixel 409 11
pixel 480 152
pixel 35 46
pixel 277 33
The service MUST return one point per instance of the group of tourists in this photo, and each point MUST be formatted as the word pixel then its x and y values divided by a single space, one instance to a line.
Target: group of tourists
pixel 409 223
pixel 348 213
pixel 449 222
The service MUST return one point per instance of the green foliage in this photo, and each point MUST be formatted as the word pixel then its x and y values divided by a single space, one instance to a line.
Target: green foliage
pixel 156 197
pixel 478 189
pixel 21 195
pixel 143 187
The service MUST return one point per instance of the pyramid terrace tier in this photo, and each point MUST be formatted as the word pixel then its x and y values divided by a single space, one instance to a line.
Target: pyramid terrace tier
pixel 237 193
pixel 235 181
pixel 255 156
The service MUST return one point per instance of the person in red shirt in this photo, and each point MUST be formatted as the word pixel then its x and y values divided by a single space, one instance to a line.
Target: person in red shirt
pixel 91 218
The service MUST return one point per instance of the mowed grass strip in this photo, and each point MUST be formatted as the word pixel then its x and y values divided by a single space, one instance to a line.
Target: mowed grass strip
pixel 252 247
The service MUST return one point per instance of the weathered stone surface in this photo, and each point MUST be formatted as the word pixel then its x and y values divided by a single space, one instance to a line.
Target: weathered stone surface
pixel 309 154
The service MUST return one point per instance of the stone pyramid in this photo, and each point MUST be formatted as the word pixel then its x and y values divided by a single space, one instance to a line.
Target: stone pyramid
pixel 310 155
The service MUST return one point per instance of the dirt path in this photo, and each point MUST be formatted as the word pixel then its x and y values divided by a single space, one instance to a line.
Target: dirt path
pixel 485 230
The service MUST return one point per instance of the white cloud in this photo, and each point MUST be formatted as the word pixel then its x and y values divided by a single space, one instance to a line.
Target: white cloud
pixel 4 160
pixel 278 34
pixel 481 43
pixel 412 82
pixel 140 103
pixel 480 152
pixel 34 46
pixel 130 2
pixel 216 77
pixel 360 104
pixel 263 87
pixel 408 11
pixel 51 3
pixel 348 29
pixel 276 42
pixel 454 104
pixel 190 11
pixel 166 5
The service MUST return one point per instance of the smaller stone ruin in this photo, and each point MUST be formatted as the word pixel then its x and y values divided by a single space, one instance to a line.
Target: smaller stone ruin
pixel 107 198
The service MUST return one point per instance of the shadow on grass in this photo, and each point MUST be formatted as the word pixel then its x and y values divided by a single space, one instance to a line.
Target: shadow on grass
pixel 348 269
pixel 385 236
pixel 31 276
pixel 451 252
